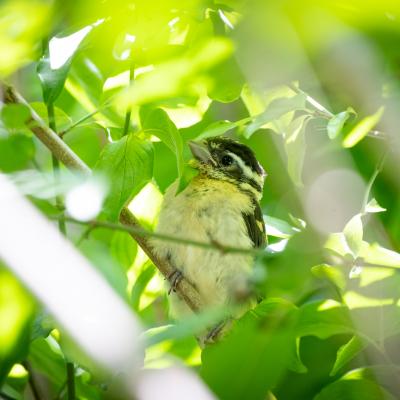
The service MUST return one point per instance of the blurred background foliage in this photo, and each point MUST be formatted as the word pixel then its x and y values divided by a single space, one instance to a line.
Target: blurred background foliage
pixel 312 87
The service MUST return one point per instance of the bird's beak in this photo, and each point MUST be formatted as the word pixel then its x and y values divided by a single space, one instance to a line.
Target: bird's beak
pixel 200 152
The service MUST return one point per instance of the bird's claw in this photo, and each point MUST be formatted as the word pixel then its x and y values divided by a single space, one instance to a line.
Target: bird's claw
pixel 214 333
pixel 174 279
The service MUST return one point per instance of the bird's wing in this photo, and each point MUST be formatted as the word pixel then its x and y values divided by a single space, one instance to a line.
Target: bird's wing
pixel 255 226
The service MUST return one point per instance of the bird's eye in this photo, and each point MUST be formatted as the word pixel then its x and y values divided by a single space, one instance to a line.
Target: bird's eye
pixel 226 160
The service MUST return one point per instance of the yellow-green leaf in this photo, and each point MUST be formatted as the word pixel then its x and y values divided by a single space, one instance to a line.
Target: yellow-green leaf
pixel 362 128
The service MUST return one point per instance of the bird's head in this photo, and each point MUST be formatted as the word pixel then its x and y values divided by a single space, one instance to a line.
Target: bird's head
pixel 227 160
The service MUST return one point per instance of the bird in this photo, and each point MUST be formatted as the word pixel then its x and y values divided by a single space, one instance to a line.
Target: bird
pixel 220 206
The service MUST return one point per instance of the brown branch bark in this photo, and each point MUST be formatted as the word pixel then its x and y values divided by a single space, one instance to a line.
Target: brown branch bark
pixel 65 155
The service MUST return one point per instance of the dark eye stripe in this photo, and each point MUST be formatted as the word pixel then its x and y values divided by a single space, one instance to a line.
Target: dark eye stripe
pixel 252 183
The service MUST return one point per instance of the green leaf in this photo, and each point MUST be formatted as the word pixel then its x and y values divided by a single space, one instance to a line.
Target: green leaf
pixel 15 152
pixel 219 128
pixel 336 123
pixel 353 233
pixel 157 122
pixel 354 390
pixel 295 363
pixel 141 282
pixel 16 313
pixel 54 66
pixel 128 165
pixel 255 354
pixel 295 145
pixel 87 142
pixel 275 110
pixel 228 81
pixel 193 324
pixel 278 227
pixel 347 352
pixel 123 248
pixel 374 207
pixel 379 255
pixel 332 274
pixel 362 128
pixel 62 119
pixel 324 319
pixel 14 116
pixel 188 174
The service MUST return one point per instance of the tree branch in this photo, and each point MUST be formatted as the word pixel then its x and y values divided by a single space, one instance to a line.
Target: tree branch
pixel 65 155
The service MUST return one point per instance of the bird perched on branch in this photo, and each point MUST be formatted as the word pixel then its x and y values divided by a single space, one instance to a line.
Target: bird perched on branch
pixel 220 206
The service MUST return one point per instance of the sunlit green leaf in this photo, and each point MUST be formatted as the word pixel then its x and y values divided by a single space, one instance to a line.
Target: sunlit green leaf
pixel 353 233
pixel 219 128
pixel 336 123
pixel 377 255
pixel 278 227
pixel 374 207
pixel 334 275
pixel 54 66
pixel 276 109
pixel 16 313
pixel 295 146
pixel 362 128
pixel 23 24
pixel 347 352
pixel 128 165
pixel 324 319
pixel 141 282
pixel 157 122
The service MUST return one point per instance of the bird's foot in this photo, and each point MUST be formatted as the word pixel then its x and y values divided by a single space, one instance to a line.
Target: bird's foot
pixel 174 279
pixel 214 334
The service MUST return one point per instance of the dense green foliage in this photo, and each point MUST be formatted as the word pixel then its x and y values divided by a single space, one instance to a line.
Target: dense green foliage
pixel 126 83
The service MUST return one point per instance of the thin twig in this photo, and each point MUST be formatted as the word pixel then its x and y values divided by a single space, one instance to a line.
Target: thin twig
pixel 377 171
pixel 56 169
pixel 31 380
pixel 212 245
pixel 65 155
pixel 76 123
pixel 323 112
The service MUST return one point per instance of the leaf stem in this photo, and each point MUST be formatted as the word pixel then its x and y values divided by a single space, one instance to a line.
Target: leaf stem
pixel 75 124
pixel 212 245
pixel 325 113
pixel 56 169
pixel 70 381
pixel 129 110
pixel 31 380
